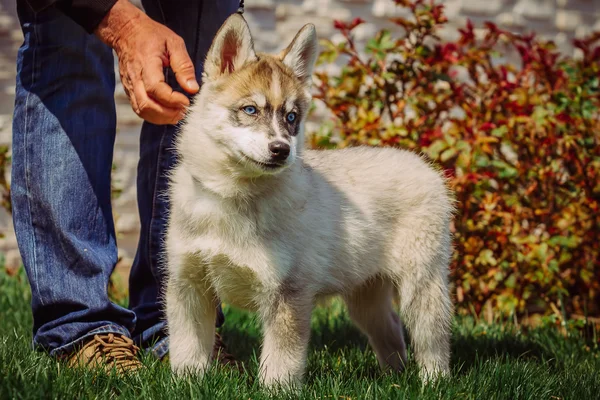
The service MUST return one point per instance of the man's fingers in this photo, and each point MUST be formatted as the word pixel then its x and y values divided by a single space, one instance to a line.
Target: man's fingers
pixel 158 89
pixel 182 65
pixel 128 88
pixel 152 111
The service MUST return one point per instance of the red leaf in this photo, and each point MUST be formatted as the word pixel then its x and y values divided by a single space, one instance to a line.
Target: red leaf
pixel 337 24
pixel 487 126
pixel 493 28
pixel 355 22
pixel 564 118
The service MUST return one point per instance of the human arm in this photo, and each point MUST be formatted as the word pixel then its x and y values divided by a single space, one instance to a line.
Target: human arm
pixel 144 47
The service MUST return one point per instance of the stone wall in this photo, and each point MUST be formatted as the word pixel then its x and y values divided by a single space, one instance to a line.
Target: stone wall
pixel 274 23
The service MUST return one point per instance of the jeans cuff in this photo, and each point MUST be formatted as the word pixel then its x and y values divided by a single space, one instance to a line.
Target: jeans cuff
pixel 160 348
pixel 69 347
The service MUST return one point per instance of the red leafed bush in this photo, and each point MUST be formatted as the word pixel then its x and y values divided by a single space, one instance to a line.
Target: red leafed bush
pixel 520 145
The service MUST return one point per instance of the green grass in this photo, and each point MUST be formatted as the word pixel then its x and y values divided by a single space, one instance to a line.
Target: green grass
pixel 489 362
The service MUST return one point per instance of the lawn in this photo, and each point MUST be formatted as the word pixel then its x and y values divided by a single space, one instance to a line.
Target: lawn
pixel 497 361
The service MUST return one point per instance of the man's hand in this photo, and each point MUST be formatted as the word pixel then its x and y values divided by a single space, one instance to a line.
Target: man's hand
pixel 144 47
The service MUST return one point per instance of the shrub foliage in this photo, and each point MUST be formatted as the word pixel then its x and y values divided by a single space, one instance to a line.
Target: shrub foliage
pixel 520 144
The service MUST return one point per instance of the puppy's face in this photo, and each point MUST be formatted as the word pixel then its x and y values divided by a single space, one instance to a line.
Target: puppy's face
pixel 253 106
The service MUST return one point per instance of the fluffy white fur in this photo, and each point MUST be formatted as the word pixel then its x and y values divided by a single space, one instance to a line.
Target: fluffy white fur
pixel 368 224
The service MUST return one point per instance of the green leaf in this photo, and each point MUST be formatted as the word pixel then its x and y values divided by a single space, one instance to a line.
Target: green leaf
pixel 482 160
pixel 553 266
pixel 504 170
pixel 540 114
pixel 588 109
pixel 486 257
pixel 434 150
pixel 500 131
pixel 448 154
pixel 511 281
pixel 563 241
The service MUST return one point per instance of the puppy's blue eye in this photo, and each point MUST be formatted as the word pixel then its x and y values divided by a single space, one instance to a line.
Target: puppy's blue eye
pixel 250 110
pixel 291 117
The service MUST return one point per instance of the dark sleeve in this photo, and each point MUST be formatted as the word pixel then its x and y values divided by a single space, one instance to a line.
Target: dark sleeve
pixel 87 13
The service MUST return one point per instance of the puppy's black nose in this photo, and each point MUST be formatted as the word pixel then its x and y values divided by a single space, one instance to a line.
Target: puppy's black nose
pixel 279 150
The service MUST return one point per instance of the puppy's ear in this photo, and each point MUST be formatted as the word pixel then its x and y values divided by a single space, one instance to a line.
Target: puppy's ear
pixel 301 54
pixel 232 47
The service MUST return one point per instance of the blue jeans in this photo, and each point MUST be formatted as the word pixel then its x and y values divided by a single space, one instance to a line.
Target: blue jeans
pixel 63 136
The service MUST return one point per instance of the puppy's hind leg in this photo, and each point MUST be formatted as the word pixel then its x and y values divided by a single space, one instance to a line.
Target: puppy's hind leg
pixel 370 307
pixel 426 309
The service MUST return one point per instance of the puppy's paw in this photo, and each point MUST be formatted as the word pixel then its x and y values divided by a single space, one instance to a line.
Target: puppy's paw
pixel 433 374
pixel 274 378
pixel 280 384
pixel 186 369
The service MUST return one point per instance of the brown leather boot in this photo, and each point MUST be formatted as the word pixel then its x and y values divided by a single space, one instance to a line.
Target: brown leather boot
pixel 107 351
pixel 221 355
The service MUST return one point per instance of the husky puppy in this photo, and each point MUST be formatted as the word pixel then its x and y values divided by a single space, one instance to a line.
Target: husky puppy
pixel 265 225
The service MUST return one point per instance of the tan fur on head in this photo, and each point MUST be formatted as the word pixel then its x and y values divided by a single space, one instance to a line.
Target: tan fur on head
pixel 233 48
pixel 236 77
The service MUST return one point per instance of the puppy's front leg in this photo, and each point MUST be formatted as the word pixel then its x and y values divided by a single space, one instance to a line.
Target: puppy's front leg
pixel 286 325
pixel 191 313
